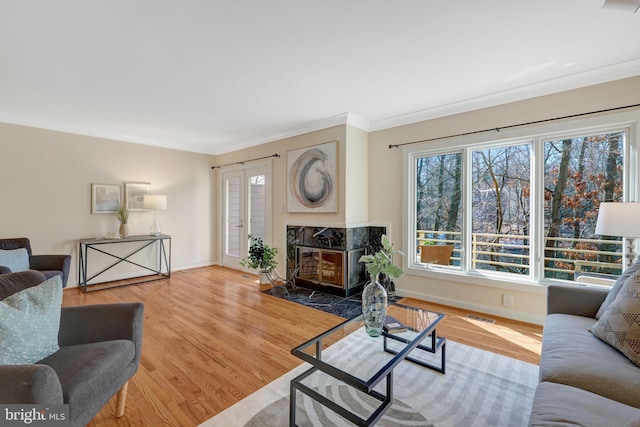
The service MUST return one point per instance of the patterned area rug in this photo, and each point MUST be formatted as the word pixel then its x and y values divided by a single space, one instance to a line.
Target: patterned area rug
pixel 479 389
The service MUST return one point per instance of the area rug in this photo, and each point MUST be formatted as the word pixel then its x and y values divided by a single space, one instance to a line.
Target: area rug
pixel 479 388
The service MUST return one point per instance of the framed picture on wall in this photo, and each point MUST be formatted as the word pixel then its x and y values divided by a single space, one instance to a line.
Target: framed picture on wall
pixel 311 178
pixel 105 198
pixel 134 193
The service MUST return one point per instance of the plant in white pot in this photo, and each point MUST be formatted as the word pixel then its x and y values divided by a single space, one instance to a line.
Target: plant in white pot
pixel 374 295
pixel 260 257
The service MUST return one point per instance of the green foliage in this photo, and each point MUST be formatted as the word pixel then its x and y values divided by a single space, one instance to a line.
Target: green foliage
pixel 122 215
pixel 260 256
pixel 382 261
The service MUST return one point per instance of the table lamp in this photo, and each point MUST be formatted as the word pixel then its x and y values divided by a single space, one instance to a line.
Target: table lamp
pixel 621 219
pixel 155 203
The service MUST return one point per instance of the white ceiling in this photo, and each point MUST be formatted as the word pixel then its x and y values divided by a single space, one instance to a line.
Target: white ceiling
pixel 214 76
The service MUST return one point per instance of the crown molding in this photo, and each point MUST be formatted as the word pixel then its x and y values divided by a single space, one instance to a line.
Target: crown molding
pixel 358 122
pixel 326 123
pixel 58 126
pixel 575 81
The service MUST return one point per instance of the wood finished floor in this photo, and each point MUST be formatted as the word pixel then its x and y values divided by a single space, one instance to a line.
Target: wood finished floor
pixel 211 339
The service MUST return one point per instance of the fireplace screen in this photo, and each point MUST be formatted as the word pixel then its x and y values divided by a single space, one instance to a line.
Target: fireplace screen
pixel 321 266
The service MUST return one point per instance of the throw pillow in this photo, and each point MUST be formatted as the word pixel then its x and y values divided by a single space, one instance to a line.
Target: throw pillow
pixel 15 259
pixel 616 287
pixel 619 326
pixel 29 323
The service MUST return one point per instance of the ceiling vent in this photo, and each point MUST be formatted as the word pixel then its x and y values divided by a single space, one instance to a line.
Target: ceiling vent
pixel 623 5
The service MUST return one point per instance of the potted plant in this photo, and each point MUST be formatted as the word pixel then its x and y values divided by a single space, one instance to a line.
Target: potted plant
pixel 260 257
pixel 382 261
pixel 374 295
pixel 123 217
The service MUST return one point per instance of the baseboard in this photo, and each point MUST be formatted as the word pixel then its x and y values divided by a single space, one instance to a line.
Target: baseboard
pixel 473 307
pixel 141 273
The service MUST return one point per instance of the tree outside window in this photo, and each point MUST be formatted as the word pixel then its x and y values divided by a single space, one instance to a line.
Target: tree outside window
pixel 579 172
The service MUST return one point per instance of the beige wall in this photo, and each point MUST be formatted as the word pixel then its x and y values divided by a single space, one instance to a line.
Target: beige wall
pixel 46 192
pixel 356 185
pixel 280 217
pixel 385 195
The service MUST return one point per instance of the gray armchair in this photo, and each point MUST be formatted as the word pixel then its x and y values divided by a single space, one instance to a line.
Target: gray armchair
pixel 49 265
pixel 100 347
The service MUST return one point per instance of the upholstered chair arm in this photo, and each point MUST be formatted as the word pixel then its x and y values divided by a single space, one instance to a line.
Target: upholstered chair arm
pixel 577 300
pixel 102 322
pixel 51 262
pixel 36 384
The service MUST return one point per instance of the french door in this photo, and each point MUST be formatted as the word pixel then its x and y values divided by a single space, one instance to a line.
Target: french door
pixel 246 210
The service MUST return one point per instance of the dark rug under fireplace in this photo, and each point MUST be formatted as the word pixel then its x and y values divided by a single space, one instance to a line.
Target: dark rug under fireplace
pixel 340 306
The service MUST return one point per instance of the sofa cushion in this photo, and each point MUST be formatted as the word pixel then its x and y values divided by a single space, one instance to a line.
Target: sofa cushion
pixel 29 323
pixel 616 287
pixel 619 326
pixel 559 405
pixel 571 355
pixel 90 374
pixel 15 259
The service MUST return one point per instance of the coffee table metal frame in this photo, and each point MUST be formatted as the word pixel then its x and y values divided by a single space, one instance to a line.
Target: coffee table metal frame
pixel 386 372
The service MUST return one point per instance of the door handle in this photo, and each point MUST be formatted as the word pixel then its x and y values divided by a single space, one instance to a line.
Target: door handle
pixel 239 226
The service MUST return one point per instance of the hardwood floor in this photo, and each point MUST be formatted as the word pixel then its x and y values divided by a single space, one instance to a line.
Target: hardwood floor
pixel 211 339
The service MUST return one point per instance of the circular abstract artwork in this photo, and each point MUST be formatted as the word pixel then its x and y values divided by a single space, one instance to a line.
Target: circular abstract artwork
pixel 312 185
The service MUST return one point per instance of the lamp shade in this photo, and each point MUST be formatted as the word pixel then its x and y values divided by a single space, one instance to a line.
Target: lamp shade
pixel 155 202
pixel 620 219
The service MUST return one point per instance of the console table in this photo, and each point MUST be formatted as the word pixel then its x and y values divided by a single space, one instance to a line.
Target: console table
pixel 107 247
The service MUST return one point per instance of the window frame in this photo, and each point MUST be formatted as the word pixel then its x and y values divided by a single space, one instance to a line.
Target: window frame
pixel 536 136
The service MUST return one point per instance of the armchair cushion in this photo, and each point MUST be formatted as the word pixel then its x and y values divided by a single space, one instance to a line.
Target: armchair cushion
pixel 14 259
pixel 29 323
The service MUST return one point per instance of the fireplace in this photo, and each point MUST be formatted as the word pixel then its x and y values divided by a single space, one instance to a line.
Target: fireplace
pixel 326 258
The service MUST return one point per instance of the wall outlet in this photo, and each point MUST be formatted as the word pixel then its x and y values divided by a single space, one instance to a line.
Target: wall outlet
pixel 507 300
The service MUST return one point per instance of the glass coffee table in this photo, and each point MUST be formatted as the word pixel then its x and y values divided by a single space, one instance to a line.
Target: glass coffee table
pixel 348 365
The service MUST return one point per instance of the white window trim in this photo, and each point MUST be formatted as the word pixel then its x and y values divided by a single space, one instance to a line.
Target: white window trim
pixel 534 282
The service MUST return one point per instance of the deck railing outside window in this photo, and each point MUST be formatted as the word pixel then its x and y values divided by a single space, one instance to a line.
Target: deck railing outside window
pixel 567 259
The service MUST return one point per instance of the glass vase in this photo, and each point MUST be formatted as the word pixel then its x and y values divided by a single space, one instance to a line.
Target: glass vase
pixel 374 306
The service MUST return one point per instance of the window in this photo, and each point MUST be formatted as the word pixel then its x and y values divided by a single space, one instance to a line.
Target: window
pixel 500 219
pixel 579 173
pixel 499 203
pixel 439 204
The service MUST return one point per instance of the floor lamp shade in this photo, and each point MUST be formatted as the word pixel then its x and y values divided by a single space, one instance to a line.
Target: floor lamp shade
pixel 621 219
pixel 156 203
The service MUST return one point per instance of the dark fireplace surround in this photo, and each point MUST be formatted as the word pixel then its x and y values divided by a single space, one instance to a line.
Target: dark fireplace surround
pixel 326 258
